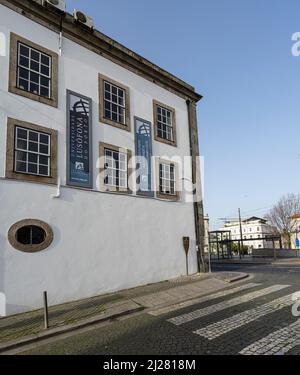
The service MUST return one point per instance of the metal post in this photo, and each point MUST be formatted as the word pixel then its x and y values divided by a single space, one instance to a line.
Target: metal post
pixel 46 315
pixel 209 260
pixel 241 231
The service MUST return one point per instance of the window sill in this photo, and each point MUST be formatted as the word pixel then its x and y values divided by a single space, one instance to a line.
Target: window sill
pixel 115 124
pixel 29 95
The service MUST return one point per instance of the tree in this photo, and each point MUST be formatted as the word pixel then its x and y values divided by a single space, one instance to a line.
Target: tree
pixel 279 216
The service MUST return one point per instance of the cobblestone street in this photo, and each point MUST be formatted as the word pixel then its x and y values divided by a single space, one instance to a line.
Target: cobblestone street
pixel 254 317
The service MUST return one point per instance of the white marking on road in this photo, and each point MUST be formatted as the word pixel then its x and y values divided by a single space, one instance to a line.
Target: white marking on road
pixel 277 343
pixel 224 293
pixel 181 319
pixel 217 329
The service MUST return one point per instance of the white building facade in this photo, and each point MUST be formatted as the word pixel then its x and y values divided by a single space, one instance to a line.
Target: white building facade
pixel 75 107
pixel 254 230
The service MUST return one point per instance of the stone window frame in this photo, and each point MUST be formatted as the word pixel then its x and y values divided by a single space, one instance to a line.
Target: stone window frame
pixel 10 153
pixel 103 187
pixel 12 86
pixel 160 195
pixel 157 104
pixel 127 126
pixel 12 236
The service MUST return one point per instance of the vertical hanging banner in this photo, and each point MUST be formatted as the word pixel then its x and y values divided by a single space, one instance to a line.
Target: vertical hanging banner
pixel 79 140
pixel 143 153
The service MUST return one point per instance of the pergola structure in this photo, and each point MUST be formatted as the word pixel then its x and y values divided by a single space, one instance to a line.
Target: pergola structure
pixel 221 240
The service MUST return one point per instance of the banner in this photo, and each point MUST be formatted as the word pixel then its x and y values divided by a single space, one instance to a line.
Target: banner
pixel 143 152
pixel 79 140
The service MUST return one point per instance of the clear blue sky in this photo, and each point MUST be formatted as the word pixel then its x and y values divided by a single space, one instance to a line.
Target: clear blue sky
pixel 237 55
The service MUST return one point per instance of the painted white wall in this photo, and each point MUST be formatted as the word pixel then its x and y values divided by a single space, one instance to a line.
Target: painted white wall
pixel 102 242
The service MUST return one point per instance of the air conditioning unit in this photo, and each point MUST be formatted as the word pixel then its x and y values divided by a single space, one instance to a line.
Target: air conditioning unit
pixel 83 19
pixel 59 5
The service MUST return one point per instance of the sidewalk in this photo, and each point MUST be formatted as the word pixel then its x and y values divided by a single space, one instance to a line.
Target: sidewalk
pixel 26 328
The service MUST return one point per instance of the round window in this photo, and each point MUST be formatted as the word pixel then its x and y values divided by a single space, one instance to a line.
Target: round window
pixel 30 235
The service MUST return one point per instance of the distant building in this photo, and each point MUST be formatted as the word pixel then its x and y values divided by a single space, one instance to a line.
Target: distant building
pixel 254 230
pixel 295 235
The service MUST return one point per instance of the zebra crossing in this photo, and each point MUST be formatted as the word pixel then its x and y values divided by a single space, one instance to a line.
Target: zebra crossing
pixel 278 342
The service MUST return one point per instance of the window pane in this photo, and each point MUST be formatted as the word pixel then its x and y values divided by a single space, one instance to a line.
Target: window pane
pixel 32 158
pixel 24 61
pixel 33 136
pixel 32 168
pixel 32 146
pixel 21 156
pixel 34 66
pixel 34 88
pixel 43 170
pixel 22 144
pixel 24 235
pixel 44 92
pixel 24 85
pixel 24 50
pixel 44 149
pixel 34 77
pixel 45 60
pixel 44 139
pixel 20 166
pixel 21 133
pixel 23 73
pixel 35 55
pixel 43 160
pixel 45 70
pixel 38 235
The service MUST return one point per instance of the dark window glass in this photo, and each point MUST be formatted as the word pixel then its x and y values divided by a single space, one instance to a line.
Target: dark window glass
pixel 31 235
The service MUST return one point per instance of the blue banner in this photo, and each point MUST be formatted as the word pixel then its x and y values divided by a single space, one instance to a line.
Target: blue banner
pixel 143 153
pixel 79 141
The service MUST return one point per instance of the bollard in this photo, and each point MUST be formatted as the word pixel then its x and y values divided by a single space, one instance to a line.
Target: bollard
pixel 46 315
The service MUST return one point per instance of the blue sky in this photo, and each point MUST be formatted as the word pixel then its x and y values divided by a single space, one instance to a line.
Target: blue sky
pixel 237 54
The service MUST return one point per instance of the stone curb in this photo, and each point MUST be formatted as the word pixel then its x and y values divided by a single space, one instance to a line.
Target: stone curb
pixel 66 329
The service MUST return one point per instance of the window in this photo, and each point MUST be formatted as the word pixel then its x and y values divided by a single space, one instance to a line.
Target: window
pixel 114 168
pixel 31 152
pixel 33 71
pixel 164 122
pixel 114 103
pixel 115 165
pixel 167 180
pixel 30 235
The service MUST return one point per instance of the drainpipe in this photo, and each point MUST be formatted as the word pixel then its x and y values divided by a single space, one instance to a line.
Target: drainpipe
pixel 198 202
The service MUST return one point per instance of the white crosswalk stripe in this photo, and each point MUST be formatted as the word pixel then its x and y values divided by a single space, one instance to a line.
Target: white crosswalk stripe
pixel 182 319
pixel 277 343
pixel 223 293
pixel 219 328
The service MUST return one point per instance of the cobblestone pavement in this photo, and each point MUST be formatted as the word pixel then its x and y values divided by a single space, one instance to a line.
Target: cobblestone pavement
pixel 233 323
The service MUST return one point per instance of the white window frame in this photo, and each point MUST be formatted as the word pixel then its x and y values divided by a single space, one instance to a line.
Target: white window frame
pixel 39 73
pixel 111 102
pixel 110 166
pixel 27 151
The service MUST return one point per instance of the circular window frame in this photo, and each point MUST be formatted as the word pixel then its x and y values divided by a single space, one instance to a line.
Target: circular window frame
pixel 12 236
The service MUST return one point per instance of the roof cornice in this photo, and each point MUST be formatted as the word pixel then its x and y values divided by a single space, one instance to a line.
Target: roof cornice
pixel 102 45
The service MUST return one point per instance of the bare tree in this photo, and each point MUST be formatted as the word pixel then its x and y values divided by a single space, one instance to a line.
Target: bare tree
pixel 279 216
